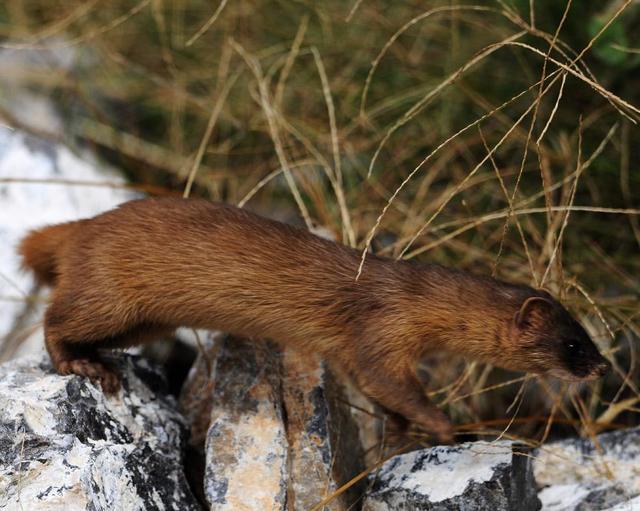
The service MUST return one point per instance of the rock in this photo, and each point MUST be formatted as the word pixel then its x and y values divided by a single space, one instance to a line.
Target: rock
pixel 369 419
pixel 576 474
pixel 195 403
pixel 246 445
pixel 324 445
pixel 473 476
pixel 630 505
pixel 295 440
pixel 197 393
pixel 41 183
pixel 64 445
pixel 24 76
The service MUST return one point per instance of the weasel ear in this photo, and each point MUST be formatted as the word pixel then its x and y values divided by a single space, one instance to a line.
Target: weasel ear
pixel 528 307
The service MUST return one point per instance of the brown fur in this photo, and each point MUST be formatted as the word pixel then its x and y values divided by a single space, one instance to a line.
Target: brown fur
pixel 40 250
pixel 131 274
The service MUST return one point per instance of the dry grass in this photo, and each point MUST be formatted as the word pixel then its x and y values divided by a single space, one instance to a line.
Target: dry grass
pixel 489 137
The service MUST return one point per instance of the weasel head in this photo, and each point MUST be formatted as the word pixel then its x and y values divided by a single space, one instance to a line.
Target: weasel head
pixel 554 342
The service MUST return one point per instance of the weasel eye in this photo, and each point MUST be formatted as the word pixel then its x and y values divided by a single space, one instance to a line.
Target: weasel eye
pixel 573 347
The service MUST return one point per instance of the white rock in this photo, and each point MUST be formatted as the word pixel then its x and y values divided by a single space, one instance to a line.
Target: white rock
pixel 27 205
pixel 630 505
pixel 574 473
pixel 64 445
pixel 469 476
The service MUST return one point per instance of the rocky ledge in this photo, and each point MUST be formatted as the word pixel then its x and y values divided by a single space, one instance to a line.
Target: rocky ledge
pixel 64 445
pixel 273 434
pixel 271 429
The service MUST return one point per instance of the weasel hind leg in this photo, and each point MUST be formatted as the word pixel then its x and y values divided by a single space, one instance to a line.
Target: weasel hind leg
pixel 73 344
pixel 94 369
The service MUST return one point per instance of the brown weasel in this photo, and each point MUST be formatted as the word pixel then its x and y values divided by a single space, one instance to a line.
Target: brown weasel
pixel 137 272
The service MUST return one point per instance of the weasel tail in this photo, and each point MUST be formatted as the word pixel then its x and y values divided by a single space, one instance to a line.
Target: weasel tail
pixel 40 248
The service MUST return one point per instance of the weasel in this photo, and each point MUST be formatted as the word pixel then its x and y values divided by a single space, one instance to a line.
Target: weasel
pixel 139 271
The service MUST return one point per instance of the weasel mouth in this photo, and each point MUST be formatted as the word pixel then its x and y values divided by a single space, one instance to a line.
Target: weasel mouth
pixel 564 375
pixel 593 374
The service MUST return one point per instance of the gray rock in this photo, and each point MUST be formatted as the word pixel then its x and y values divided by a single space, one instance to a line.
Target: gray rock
pixel 473 476
pixel 197 392
pixel 64 445
pixel 370 421
pixel 324 445
pixel 246 446
pixel 577 474
pixel 279 432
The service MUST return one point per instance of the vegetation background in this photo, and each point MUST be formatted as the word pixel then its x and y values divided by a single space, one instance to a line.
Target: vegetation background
pixel 497 136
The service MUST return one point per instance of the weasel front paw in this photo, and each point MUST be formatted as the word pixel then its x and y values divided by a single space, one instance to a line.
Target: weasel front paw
pixel 437 424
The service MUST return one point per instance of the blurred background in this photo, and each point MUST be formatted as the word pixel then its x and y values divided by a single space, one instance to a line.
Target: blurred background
pixel 496 136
